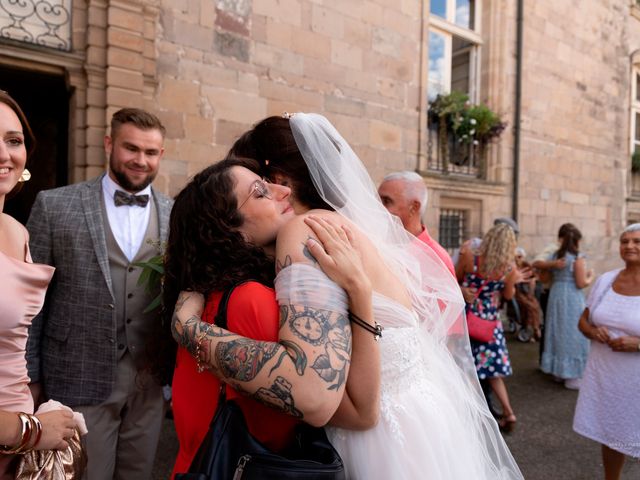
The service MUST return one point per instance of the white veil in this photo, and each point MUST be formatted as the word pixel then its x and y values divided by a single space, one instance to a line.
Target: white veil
pixel 343 182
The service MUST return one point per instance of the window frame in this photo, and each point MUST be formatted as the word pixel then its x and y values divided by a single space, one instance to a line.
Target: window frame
pixel 448 28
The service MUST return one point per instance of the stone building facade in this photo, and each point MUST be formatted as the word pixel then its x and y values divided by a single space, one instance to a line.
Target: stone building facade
pixel 211 68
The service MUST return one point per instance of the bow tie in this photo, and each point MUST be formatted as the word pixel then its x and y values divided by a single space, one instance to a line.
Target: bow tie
pixel 122 198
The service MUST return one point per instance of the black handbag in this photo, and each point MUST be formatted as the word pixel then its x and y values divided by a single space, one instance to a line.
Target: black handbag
pixel 229 451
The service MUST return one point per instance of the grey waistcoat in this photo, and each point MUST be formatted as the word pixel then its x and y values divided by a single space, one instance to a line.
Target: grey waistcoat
pixel 133 328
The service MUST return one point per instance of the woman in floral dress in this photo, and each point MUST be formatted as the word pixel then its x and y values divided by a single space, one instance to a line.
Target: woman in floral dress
pixel 490 275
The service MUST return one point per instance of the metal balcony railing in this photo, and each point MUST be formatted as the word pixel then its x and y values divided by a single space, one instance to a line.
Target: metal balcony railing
pixel 458 158
pixel 40 22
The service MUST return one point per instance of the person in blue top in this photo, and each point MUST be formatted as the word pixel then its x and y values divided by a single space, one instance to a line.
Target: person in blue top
pixel 565 349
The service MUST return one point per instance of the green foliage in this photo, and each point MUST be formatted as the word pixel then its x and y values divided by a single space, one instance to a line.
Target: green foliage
pixel 151 277
pixel 635 162
pixel 476 124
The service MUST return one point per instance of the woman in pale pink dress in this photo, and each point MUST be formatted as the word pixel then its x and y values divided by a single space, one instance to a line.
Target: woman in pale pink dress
pixel 22 293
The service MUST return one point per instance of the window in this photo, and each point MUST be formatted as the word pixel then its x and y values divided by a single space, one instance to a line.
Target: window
pixel 452 228
pixel 635 111
pixel 454 43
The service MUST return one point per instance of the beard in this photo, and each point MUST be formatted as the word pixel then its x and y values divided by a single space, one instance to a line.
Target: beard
pixel 125 182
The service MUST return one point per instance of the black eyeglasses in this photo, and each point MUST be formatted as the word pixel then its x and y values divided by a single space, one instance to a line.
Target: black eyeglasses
pixel 259 189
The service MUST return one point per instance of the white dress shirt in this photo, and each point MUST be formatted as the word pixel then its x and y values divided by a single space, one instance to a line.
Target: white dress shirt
pixel 128 223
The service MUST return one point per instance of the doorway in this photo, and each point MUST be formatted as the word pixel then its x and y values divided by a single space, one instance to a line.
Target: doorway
pixel 44 98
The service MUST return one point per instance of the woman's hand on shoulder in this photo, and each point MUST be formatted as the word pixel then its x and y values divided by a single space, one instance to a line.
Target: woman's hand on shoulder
pixel 335 251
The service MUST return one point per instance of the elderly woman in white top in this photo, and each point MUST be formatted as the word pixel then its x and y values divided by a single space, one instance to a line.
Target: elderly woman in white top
pixel 608 409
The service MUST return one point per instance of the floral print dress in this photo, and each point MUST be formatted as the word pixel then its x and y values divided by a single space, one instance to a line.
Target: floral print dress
pixel 491 358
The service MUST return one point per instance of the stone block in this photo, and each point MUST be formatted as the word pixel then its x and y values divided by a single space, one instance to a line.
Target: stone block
pixel 357 33
pixel 179 96
pixel 327 22
pixel 285 11
pixel 279 34
pixel 345 106
pixel 387 42
pixel 120 77
pixel 125 39
pixel 198 129
pixel 346 55
pixel 280 91
pixel 173 122
pixel 234 105
pixel 228 132
pixel 123 97
pixel 280 59
pixel 385 135
pixel 311 44
pixel 117 57
pixel 126 19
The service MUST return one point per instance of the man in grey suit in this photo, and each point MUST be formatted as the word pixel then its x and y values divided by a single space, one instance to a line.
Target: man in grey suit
pixel 87 348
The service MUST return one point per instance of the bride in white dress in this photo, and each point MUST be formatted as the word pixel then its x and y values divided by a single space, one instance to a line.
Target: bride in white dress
pixel 434 422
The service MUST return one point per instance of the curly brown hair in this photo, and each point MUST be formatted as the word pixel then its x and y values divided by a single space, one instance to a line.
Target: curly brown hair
pixel 205 250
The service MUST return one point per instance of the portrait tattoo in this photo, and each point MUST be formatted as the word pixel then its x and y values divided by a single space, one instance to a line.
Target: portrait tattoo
pixel 243 359
pixel 278 396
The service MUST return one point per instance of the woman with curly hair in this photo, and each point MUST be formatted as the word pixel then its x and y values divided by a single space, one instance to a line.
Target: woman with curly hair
pixel 222 234
pixel 492 275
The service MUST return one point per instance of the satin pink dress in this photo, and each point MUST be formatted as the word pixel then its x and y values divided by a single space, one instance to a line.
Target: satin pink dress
pixel 23 286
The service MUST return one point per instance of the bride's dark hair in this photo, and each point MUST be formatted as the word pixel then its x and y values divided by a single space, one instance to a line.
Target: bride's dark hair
pixel 205 251
pixel 272 144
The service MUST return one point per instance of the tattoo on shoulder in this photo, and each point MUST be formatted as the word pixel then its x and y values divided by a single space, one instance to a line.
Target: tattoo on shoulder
pixel 307 253
pixel 242 359
pixel 281 265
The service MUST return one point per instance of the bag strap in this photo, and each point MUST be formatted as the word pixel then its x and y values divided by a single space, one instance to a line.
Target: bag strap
pixel 220 320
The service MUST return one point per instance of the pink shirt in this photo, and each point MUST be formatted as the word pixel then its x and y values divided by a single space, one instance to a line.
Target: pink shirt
pixel 437 248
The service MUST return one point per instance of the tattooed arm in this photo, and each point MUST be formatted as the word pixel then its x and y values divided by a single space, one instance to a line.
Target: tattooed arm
pixel 359 406
pixel 303 374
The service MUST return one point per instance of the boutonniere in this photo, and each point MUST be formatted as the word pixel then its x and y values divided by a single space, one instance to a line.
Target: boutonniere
pixel 152 275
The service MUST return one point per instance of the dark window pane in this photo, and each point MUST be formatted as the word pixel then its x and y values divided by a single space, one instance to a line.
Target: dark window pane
pixel 460 64
pixel 638 86
pixel 452 228
pixel 637 127
pixel 439 8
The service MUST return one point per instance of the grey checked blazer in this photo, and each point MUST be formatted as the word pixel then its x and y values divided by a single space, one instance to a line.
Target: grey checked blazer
pixel 72 342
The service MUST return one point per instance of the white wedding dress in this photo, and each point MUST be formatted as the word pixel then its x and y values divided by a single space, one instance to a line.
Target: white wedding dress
pixel 425 428
pixel 434 422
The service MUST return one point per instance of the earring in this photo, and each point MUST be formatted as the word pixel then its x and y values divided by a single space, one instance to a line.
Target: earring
pixel 26 176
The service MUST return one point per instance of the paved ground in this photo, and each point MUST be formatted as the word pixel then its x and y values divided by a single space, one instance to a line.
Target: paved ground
pixel 543 442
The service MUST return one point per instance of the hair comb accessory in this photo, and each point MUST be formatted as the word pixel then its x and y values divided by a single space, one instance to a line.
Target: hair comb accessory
pixel 287 115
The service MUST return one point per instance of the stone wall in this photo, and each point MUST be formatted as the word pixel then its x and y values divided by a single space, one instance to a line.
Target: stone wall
pixel 223 65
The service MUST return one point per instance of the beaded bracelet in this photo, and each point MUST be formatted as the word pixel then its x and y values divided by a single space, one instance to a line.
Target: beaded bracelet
pixel 375 329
